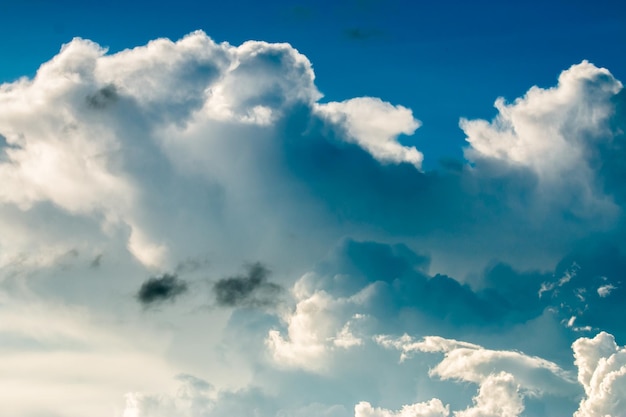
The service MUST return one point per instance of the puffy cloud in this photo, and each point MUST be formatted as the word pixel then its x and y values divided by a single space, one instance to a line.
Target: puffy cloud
pixel 548 129
pixel 372 285
pixel 498 396
pixel 602 372
pixel 97 135
pixel 192 149
pixel 556 133
pixel 473 363
pixel 316 327
pixel 432 408
pixel 375 126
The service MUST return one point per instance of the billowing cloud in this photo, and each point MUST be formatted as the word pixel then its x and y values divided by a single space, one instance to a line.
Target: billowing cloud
pixel 548 130
pixel 556 133
pixel 375 126
pixel 313 329
pixel 472 363
pixel 372 284
pixel 432 408
pixel 602 372
pixel 505 378
pixel 498 396
pixel 116 166
pixel 251 289
pixel 97 135
pixel 161 288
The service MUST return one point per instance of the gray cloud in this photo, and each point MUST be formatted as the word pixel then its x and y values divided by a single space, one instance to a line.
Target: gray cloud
pixel 161 288
pixel 96 261
pixel 251 289
pixel 102 98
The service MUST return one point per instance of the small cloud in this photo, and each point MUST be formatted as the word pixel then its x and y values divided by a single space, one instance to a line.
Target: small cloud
pixel 251 289
pixel 157 289
pixel 605 290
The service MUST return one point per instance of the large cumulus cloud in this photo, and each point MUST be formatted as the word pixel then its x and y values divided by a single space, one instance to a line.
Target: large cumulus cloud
pixel 602 372
pixel 100 135
pixel 116 167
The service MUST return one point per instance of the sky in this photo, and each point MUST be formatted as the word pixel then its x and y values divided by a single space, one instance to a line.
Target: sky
pixel 357 208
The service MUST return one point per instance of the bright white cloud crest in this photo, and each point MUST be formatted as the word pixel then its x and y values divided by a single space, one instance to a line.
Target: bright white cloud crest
pixel 555 133
pixel 375 125
pixel 432 408
pixel 602 372
pixel 549 130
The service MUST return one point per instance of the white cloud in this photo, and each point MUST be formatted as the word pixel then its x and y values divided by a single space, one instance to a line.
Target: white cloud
pixel 498 396
pixel 567 277
pixel 375 125
pixel 318 325
pixel 432 408
pixel 100 136
pixel 505 378
pixel 605 290
pixel 602 372
pixel 555 133
pixel 548 129
pixel 168 150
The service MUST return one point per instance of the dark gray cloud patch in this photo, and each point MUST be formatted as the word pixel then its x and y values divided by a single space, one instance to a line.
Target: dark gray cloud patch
pixel 249 290
pixel 161 288
pixel 103 97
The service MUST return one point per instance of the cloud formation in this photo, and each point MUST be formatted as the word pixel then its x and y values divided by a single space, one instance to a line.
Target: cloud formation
pixel 557 134
pixel 161 288
pixel 505 378
pixel 123 124
pixel 432 408
pixel 248 290
pixel 602 372
pixel 473 363
pixel 175 149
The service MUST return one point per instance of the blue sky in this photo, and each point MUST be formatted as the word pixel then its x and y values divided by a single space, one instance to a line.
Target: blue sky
pixel 443 60
pixel 340 209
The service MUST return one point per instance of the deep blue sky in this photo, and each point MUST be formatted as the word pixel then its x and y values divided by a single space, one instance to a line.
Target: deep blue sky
pixel 443 59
